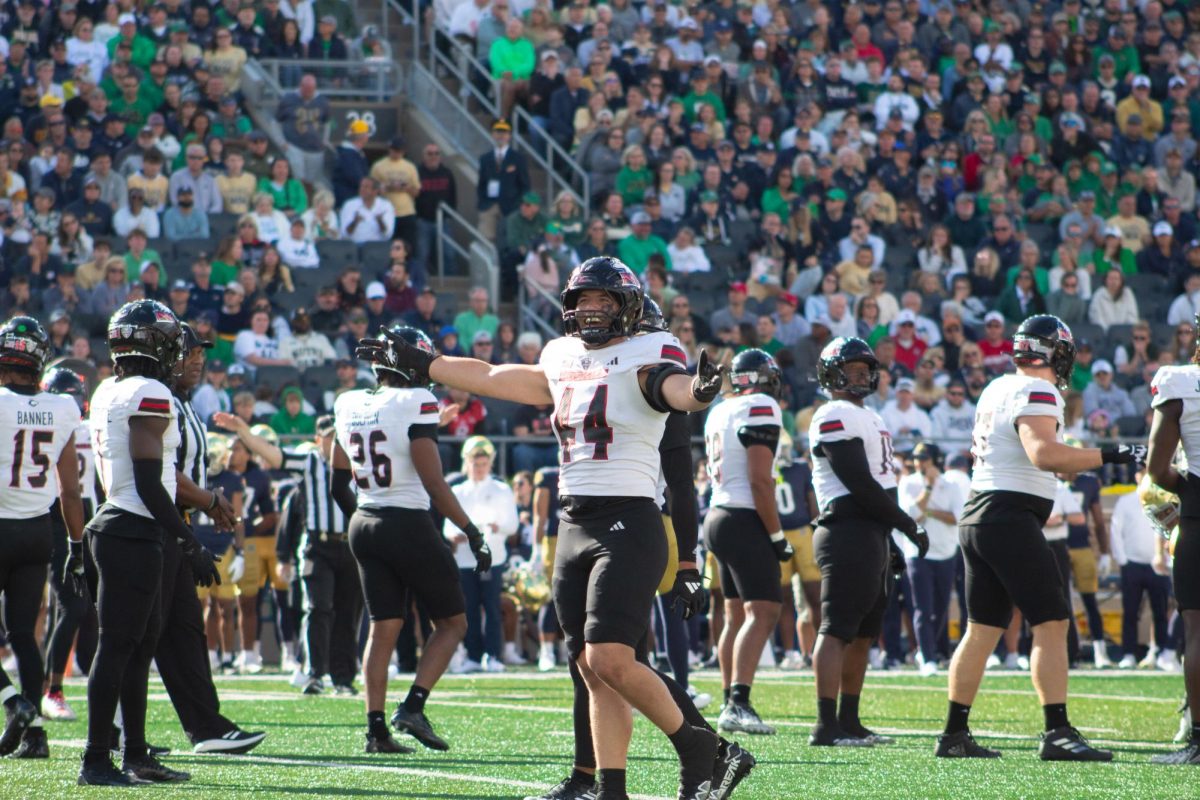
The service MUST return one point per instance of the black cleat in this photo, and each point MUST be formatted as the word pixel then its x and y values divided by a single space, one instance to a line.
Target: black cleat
pixel 696 772
pixel 157 750
pixel 417 726
pixel 1188 755
pixel 153 749
pixel 733 765
pixel 863 732
pixel 314 686
pixel 33 744
pixel 103 773
pixel 1068 744
pixel 962 745
pixel 386 744
pixel 569 789
pixel 345 690
pixel 151 770
pixel 834 736
pixel 233 743
pixel 21 713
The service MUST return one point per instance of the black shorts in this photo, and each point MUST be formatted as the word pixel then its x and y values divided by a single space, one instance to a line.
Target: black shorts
pixel 399 550
pixel 853 557
pixel 745 558
pixel 1010 563
pixel 1185 573
pixel 607 567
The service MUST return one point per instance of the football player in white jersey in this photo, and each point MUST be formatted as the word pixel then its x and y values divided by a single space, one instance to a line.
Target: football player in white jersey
pixel 387 446
pixel 1175 398
pixel 1018 448
pixel 854 477
pixel 612 391
pixel 134 437
pixel 742 528
pixel 71 607
pixel 43 468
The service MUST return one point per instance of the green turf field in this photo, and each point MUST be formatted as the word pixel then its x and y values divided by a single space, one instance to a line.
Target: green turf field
pixel 510 734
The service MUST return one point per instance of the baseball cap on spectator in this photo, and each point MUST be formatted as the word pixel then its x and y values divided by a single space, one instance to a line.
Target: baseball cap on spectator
pixel 532 198
pixel 501 125
pixel 256 136
pixel 427 290
pixel 236 288
pixel 725 144
pixel 475 445
pixel 835 194
pixel 709 196
pixel 1176 81
pixel 1141 82
pixel 824 321
pixel 1116 32
pixel 738 287
pixel 1087 194
pixel 481 337
pixel 906 317
pixel 127 19
pixel 905 385
pixel 179 286
pixel 1163 228
pixel 549 54
pixel 554 229
pixel 397 142
pixel 329 19
pixel 359 128
pixel 689 24
pixel 216 365
pixel 1101 365
pixel 208 316
pixel 789 298
pixel 712 60
pixel 1058 68
pixel 375 291
pixel 58 314
pixel 50 100
pixel 698 127
pixel 993 316
pixel 1070 120
pixel 604 113
pixel 236 371
pixel 723 25
pixel 641 218
pixel 147 264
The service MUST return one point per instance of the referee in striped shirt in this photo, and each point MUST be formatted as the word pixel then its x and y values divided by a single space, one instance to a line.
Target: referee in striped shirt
pixel 182 652
pixel 333 596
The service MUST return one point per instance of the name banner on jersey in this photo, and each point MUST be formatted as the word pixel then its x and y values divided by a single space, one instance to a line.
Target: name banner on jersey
pixel 673 353
pixel 1042 397
pixel 833 426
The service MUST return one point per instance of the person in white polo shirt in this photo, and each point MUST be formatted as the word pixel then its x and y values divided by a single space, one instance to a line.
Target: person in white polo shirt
pixel 905 420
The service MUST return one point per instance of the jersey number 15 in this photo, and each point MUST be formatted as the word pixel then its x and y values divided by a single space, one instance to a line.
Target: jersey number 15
pixel 38 440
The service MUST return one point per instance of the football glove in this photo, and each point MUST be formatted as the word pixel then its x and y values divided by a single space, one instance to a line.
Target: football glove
pixel 783 548
pixel 75 569
pixel 1160 506
pixel 707 383
pixel 479 548
pixel 1123 454
pixel 921 539
pixel 688 593
pixel 896 563
pixel 394 351
pixel 1104 563
pixel 203 564
pixel 237 566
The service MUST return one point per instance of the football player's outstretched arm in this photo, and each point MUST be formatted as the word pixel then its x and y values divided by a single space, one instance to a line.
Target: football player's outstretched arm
pixel 1039 437
pixel 672 387
pixel 518 383
pixel 343 495
pixel 1164 438
pixel 269 453
pixel 69 494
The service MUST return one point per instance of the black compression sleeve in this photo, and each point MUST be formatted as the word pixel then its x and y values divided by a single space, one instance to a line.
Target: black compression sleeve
pixel 765 435
pixel 426 431
pixel 147 480
pixel 656 376
pixel 287 539
pixel 848 459
pixel 681 492
pixel 343 495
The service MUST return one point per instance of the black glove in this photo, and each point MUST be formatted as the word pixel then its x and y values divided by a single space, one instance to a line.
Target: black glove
pixel 897 564
pixel 203 564
pixel 1123 454
pixel 75 567
pixel 921 539
pixel 707 383
pixel 783 548
pixel 482 553
pixel 394 351
pixel 688 593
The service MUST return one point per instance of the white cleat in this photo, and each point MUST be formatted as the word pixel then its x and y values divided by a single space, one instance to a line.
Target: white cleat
pixel 467 666
pixel 55 707
pixel 1149 661
pixel 251 662
pixel 875 658
pixel 1012 661
pixel 792 660
pixel 927 669
pixel 1100 656
pixel 1128 662
pixel 491 664
pixel 510 657
pixel 546 661
pixel 993 661
pixel 699 699
pixel 1167 662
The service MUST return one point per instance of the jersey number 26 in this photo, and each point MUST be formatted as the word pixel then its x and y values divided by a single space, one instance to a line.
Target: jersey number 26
pixel 381 465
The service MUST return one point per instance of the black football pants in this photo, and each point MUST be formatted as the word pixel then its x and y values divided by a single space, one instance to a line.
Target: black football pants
pixel 25 547
pixel 333 602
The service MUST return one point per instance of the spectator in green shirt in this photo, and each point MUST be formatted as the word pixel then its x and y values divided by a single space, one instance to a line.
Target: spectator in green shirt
pixel 291 419
pixel 636 250
pixel 142 49
pixel 766 329
pixel 1125 55
pixel 701 93
pixel 477 317
pixel 287 192
pixel 635 177
pixel 513 60
pixel 1113 254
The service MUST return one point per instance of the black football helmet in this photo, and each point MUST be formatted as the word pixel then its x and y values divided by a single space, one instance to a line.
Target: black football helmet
pixel 148 329
pixel 836 355
pixel 653 320
pixel 610 275
pixel 384 358
pixel 24 344
pixel 60 380
pixel 1046 339
pixel 755 372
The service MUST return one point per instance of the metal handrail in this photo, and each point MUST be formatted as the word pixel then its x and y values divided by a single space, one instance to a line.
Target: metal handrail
pixel 463 129
pixel 525 314
pixel 477 239
pixel 554 155
pixel 385 76
pixel 406 18
pixel 463 76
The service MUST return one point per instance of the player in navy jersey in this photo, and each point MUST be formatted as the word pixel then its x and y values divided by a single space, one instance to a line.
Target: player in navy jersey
pixel 797 504
pixel 1086 565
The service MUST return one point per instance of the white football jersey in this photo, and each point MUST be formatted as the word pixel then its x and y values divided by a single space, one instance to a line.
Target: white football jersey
pixel 87 462
pixel 1001 463
pixel 1182 383
pixel 841 421
pixel 34 429
pixel 728 466
pixel 608 434
pixel 373 428
pixel 115 402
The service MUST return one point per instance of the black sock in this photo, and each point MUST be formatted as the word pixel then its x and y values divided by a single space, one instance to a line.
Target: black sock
pixel 686 705
pixel 585 778
pixel 739 693
pixel 1196 731
pixel 956 717
pixel 848 712
pixel 415 702
pixel 726 693
pixel 684 739
pixel 56 688
pixel 827 711
pixel 1056 716
pixel 376 725
pixel 610 781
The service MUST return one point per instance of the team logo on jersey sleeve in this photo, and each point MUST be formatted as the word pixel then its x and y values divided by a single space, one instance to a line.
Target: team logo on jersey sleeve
pixel 1043 397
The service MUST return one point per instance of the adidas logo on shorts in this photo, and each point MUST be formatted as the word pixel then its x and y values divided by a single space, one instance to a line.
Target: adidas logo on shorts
pixel 617 526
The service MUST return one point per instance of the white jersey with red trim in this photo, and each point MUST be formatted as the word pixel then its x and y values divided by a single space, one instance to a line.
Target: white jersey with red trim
pixel 1182 383
pixel 34 429
pixel 607 432
pixel 1001 463
pixel 843 421
pixel 374 427
pixel 115 403
pixel 728 465
pixel 87 462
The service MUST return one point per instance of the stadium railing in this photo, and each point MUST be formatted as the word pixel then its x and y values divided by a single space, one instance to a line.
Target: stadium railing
pixel 458 237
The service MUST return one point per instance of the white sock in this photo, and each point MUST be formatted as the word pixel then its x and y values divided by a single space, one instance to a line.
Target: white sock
pixel 258 648
pixel 8 693
pixel 213 655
